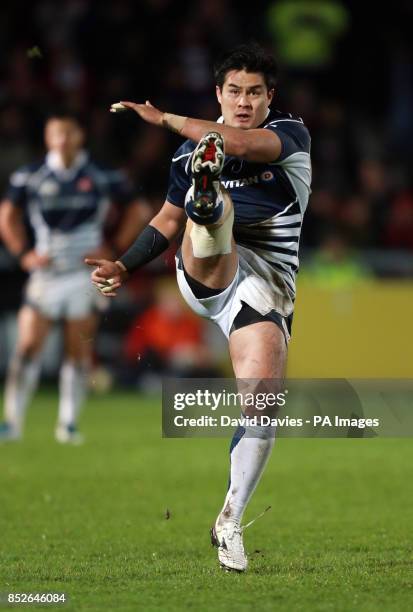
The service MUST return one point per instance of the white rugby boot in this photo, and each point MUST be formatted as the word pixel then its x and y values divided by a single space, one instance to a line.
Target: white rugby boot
pixel 68 434
pixel 227 537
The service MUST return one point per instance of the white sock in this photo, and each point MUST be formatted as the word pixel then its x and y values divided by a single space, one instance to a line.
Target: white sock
pixel 21 381
pixel 215 239
pixel 249 453
pixel 72 391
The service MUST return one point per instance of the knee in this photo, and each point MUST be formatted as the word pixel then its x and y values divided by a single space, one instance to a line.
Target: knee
pixel 251 362
pixel 22 362
pixel 28 351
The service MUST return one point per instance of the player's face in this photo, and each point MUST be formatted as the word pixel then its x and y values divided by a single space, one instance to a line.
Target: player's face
pixel 244 99
pixel 63 136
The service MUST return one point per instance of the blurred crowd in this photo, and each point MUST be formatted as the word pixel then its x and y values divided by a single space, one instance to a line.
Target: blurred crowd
pixel 350 78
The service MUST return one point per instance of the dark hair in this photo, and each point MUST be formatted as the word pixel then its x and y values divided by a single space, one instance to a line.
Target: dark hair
pixel 249 57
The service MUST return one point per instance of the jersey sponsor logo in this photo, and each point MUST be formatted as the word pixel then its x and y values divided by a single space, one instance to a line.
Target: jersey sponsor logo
pixel 244 182
pixel 70 202
pixel 49 188
pixel 84 184
pixel 250 180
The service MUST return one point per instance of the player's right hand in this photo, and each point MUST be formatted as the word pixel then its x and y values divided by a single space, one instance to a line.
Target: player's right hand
pixel 107 276
pixel 32 261
pixel 146 111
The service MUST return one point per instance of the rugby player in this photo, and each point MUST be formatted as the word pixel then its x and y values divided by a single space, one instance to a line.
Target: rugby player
pixel 65 199
pixel 238 188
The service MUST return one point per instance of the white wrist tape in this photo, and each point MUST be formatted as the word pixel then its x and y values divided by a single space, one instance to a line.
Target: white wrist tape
pixel 175 123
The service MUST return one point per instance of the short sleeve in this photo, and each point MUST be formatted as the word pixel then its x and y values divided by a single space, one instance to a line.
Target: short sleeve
pixel 294 137
pixel 16 191
pixel 179 180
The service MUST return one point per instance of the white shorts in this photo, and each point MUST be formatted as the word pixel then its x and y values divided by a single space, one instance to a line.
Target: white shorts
pixel 256 283
pixel 68 295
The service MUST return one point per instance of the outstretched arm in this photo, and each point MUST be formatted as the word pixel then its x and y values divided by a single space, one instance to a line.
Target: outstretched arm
pixel 256 145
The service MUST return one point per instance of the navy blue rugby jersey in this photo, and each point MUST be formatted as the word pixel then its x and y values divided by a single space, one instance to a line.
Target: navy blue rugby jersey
pixel 269 198
pixel 67 208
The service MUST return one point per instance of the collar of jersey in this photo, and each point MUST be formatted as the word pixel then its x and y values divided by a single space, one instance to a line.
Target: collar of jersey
pixel 54 162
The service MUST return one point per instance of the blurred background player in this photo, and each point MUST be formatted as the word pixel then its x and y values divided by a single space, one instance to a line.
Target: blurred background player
pixel 63 202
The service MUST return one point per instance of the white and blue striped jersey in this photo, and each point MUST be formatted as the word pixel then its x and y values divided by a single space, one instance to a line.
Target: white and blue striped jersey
pixel 269 198
pixel 67 208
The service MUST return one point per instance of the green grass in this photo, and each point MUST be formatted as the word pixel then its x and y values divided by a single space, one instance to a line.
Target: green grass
pixel 90 521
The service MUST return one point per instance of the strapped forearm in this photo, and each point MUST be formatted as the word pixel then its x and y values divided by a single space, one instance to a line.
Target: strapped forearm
pixel 147 246
pixel 175 123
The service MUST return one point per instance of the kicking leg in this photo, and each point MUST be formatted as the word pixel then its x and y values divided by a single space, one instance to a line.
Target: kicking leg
pixel 208 248
pixel 24 370
pixel 79 335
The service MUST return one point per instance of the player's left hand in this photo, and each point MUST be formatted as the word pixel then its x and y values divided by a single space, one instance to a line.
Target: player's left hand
pixel 107 276
pixel 147 112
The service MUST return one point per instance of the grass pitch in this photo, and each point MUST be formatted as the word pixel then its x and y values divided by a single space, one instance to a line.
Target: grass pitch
pixel 91 520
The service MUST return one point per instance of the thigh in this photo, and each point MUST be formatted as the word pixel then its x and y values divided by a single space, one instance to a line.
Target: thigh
pixel 217 308
pixel 79 336
pixel 258 351
pixel 32 329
